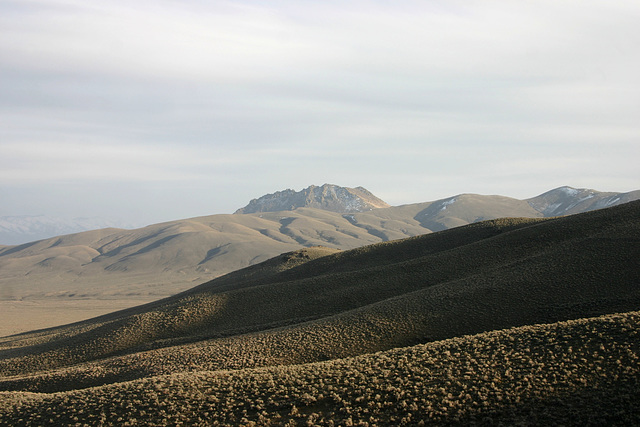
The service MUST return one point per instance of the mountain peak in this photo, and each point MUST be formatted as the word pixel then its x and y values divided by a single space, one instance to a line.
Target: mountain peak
pixel 328 197
pixel 568 200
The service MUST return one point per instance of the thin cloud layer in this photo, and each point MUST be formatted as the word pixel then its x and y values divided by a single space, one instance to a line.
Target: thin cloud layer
pixel 413 100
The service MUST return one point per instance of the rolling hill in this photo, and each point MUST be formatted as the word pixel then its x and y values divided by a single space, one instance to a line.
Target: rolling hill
pixel 76 276
pixel 392 333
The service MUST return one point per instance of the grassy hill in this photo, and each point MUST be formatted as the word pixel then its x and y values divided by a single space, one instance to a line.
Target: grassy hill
pixel 78 276
pixel 177 255
pixel 580 372
pixel 321 305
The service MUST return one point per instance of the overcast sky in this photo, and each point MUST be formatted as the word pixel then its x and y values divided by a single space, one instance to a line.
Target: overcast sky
pixel 158 110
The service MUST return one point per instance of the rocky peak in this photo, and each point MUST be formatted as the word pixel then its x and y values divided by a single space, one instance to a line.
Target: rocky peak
pixel 328 197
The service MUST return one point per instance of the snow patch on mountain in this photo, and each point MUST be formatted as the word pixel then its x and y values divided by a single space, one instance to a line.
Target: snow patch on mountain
pixel 446 203
pixel 570 191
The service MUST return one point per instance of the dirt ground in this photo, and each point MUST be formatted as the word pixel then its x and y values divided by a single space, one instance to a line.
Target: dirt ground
pixel 27 315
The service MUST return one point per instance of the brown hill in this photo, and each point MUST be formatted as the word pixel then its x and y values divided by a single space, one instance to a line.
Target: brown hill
pixel 575 373
pixel 484 276
pixel 73 277
pixel 316 304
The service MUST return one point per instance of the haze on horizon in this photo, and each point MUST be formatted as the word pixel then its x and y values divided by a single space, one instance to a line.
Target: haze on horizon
pixel 153 111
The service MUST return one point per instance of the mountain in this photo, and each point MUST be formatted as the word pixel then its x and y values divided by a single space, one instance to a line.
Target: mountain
pixel 15 230
pixel 76 276
pixel 568 200
pixel 506 321
pixel 327 197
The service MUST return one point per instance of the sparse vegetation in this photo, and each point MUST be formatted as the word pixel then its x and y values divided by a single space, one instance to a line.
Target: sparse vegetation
pixel 380 335
pixel 582 372
pixel 143 265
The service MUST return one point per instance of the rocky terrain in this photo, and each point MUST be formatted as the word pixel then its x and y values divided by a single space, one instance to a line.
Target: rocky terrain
pixel 327 197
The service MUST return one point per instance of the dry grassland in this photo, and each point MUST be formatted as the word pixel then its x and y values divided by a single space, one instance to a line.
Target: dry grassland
pixel 582 372
pixel 388 334
pixel 163 259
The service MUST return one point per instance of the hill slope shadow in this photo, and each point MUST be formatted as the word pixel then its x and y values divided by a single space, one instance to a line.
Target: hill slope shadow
pixel 322 304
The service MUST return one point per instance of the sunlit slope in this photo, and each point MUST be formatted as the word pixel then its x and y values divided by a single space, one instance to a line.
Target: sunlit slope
pixel 485 276
pixel 469 208
pixel 568 200
pixel 163 259
pixel 579 372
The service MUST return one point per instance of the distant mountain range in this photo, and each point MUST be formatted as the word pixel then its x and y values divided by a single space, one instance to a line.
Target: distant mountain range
pixel 162 259
pixel 15 230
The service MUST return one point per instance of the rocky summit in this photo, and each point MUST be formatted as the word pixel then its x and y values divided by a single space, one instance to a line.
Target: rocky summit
pixel 327 197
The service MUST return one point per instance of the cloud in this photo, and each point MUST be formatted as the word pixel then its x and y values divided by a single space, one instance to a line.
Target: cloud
pixel 220 42
pixel 46 162
pixel 443 95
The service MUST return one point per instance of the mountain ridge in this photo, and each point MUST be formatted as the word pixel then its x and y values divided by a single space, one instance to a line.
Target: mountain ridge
pixel 567 200
pixel 19 229
pixel 145 264
pixel 327 197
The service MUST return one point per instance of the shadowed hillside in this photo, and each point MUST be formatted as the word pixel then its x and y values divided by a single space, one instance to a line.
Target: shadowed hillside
pixel 129 267
pixel 581 372
pixel 316 304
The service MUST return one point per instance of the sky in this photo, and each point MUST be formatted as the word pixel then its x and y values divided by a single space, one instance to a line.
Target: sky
pixel 150 111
